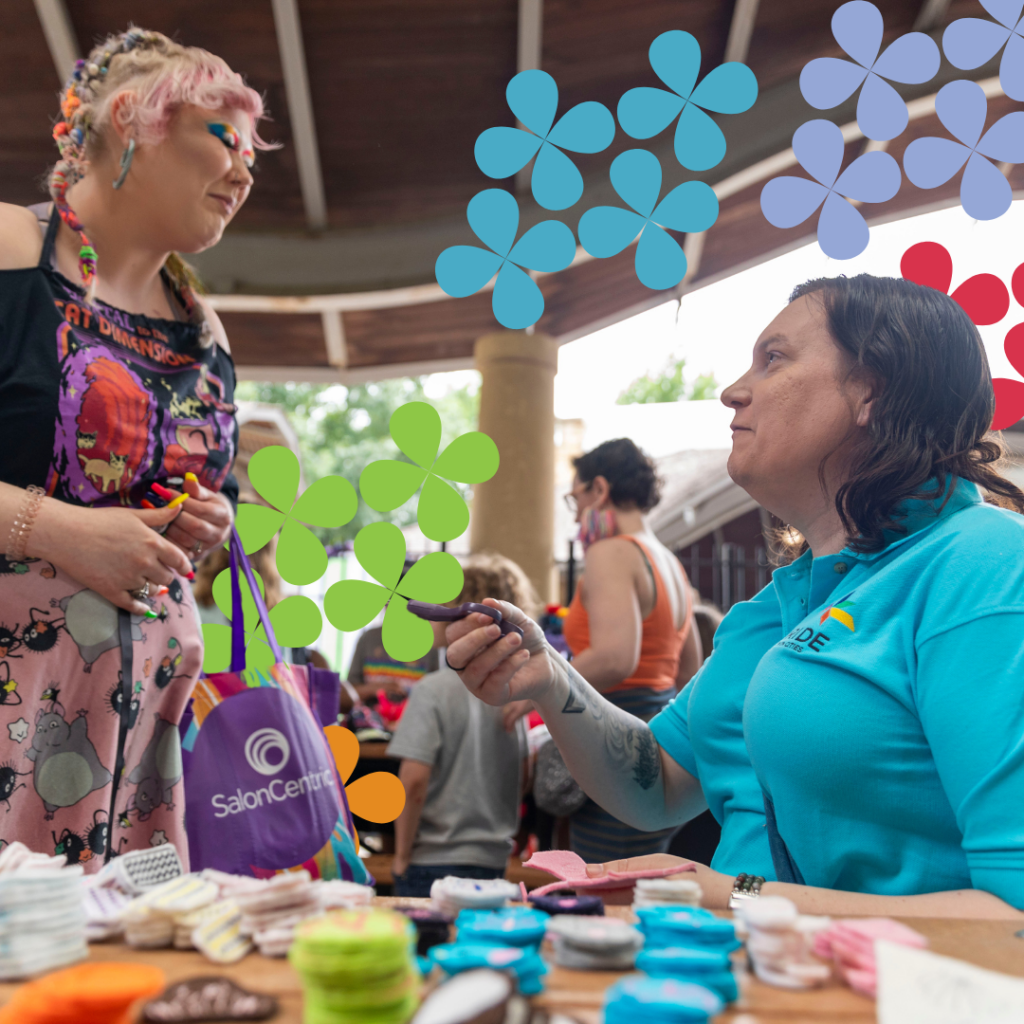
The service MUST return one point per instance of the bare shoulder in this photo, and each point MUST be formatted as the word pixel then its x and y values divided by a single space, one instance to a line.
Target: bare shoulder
pixel 21 241
pixel 613 554
pixel 219 334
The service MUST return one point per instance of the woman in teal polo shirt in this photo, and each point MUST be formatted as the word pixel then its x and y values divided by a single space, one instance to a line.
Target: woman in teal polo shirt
pixel 871 698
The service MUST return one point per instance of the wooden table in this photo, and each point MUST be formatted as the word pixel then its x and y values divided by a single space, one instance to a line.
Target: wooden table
pixel 990 944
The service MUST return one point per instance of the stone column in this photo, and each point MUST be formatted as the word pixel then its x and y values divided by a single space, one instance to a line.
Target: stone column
pixel 513 512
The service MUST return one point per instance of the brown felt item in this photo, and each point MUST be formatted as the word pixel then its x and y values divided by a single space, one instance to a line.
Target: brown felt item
pixel 209 999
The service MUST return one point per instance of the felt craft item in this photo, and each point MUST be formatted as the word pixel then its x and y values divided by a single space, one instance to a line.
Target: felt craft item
pixel 336 894
pixel 432 928
pixel 594 943
pixel 103 908
pixel 658 892
pixel 451 894
pixel 94 993
pixel 851 945
pixel 356 967
pixel 219 936
pixel 138 871
pixel 511 926
pixel 524 965
pixel 701 966
pixel 18 857
pixel 579 905
pixel 642 1000
pixel 780 942
pixel 208 999
pixel 687 926
pixel 572 870
pixel 42 920
pixel 474 997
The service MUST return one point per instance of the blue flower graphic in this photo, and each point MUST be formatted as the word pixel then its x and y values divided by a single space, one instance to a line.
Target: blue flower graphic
pixel 464 269
pixel 871 178
pixel 971 42
pixel 728 89
pixel 586 128
pixel 929 162
pixel 828 81
pixel 607 230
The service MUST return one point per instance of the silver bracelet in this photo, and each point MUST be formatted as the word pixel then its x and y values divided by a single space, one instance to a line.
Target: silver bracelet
pixel 744 888
pixel 17 540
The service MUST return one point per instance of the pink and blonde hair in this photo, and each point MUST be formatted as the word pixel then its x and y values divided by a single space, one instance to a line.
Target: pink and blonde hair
pixel 163 77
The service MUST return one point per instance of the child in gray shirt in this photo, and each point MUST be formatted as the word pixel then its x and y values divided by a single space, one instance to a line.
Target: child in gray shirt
pixel 463 772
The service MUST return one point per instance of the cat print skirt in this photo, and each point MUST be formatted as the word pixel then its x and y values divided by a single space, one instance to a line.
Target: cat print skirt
pixel 90 758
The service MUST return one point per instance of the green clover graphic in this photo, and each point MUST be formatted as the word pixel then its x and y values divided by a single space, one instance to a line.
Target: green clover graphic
pixel 470 459
pixel 296 620
pixel 330 502
pixel 352 604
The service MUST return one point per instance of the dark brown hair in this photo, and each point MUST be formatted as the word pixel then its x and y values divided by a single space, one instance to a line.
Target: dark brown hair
pixel 934 402
pixel 628 469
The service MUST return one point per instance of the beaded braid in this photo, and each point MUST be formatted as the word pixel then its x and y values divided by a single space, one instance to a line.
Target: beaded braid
pixel 71 135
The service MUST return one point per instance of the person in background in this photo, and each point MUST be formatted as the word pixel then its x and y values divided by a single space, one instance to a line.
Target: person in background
pixel 463 771
pixel 378 679
pixel 630 622
pixel 707 617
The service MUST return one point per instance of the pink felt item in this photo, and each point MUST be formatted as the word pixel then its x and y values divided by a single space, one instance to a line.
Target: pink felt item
pixel 851 944
pixel 572 870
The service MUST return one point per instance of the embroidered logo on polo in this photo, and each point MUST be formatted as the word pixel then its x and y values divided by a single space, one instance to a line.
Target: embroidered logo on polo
pixel 810 639
pixel 840 614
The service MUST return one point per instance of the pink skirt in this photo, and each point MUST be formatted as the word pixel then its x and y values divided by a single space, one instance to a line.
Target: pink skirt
pixel 63 787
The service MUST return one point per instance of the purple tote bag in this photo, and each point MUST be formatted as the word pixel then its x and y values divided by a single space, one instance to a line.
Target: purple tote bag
pixel 261 787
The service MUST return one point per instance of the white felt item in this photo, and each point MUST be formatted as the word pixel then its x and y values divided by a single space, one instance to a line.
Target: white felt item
pixel 781 945
pixel 465 997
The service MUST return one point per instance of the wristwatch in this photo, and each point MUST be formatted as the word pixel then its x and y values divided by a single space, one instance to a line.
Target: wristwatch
pixel 746 887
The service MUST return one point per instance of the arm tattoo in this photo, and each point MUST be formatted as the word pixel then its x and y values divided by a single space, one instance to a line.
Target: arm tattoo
pixel 629 742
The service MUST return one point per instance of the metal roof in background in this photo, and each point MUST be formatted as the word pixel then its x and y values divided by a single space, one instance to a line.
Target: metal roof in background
pixel 327 272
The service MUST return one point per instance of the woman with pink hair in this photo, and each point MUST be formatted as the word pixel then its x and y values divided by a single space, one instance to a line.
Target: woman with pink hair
pixel 116 395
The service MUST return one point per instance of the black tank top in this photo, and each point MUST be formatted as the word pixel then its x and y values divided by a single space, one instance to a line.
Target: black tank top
pixel 96 404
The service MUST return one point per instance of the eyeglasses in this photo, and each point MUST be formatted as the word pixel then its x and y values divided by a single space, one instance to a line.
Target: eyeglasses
pixel 572 502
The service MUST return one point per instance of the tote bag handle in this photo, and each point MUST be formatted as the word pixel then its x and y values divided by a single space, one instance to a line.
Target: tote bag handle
pixel 239 559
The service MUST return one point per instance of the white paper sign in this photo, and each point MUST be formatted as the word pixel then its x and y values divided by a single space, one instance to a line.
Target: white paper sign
pixel 918 987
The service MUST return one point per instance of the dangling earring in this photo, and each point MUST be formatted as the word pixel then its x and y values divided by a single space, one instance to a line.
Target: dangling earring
pixel 126 161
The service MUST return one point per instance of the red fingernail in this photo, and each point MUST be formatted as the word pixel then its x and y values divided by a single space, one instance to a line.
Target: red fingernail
pixel 162 491
pixel 163 590
pixel 146 503
pixel 191 576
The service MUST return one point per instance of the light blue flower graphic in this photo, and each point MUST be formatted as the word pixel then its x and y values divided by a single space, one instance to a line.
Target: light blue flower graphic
pixel 970 42
pixel 607 230
pixel 929 162
pixel 828 81
pixel 728 89
pixel 871 178
pixel 464 269
pixel 586 128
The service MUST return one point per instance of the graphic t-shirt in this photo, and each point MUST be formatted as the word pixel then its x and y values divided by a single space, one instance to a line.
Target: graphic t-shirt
pixel 97 403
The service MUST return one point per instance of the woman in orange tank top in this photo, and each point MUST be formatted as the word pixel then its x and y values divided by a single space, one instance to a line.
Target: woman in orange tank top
pixel 630 623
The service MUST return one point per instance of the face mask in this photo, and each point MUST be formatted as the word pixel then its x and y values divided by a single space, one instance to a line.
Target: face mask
pixel 596 525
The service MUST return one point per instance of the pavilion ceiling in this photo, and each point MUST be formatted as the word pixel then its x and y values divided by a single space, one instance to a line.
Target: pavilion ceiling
pixel 399 91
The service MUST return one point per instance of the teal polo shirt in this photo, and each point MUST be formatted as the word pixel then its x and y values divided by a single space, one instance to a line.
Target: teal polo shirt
pixel 702 730
pixel 887 725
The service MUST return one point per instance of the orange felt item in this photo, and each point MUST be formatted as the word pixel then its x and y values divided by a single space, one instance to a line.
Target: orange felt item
pixel 97 993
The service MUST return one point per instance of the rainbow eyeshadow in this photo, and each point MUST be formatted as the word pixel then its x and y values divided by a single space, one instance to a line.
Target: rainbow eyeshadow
pixel 228 134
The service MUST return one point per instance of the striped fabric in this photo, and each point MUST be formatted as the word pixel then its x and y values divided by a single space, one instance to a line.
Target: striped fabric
pixel 595 834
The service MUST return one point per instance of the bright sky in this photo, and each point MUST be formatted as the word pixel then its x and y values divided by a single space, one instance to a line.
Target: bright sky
pixel 715 327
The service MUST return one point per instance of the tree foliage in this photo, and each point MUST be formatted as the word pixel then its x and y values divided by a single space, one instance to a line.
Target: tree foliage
pixel 341 430
pixel 669 385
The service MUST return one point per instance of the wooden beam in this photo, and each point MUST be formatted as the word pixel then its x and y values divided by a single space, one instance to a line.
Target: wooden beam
pixel 334 337
pixel 60 36
pixel 359 375
pixel 300 111
pixel 931 15
pixel 530 42
pixel 744 14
